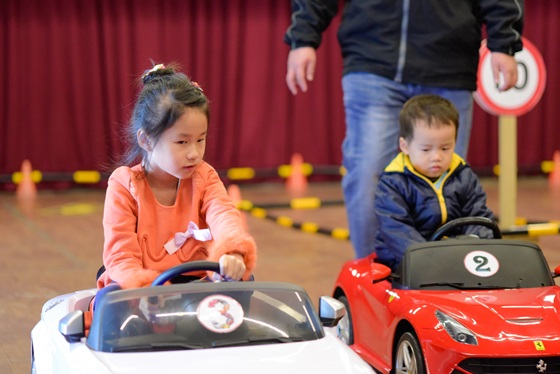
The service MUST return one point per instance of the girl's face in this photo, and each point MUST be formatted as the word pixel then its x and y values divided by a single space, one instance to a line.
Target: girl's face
pixel 180 148
pixel 431 148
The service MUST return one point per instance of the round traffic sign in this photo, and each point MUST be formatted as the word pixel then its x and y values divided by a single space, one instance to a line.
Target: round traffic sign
pixel 519 99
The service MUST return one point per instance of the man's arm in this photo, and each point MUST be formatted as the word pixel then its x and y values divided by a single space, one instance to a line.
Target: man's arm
pixel 309 19
pixel 504 26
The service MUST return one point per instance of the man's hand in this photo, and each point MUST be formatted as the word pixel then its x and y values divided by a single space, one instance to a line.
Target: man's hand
pixel 301 68
pixel 507 66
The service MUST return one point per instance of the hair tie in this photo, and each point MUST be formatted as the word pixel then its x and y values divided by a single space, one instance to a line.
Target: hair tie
pixel 149 73
pixel 197 86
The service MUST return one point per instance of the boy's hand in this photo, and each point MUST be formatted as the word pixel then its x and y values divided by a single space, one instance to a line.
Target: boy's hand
pixel 232 266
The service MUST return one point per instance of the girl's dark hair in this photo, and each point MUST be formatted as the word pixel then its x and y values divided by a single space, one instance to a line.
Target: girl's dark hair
pixel 162 100
pixel 432 109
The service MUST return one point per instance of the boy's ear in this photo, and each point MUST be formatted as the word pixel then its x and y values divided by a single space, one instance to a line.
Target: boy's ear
pixel 403 145
pixel 143 141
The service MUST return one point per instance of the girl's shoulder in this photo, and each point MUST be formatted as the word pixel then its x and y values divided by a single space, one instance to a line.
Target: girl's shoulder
pixel 206 177
pixel 204 167
pixel 126 174
pixel 131 178
pixel 204 171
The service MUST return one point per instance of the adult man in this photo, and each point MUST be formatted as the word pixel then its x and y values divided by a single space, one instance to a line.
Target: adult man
pixel 393 50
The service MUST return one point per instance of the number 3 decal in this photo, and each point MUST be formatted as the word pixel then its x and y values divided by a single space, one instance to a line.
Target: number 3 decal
pixel 482 264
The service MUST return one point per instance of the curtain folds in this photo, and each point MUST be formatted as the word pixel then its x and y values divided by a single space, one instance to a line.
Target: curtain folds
pixel 70 68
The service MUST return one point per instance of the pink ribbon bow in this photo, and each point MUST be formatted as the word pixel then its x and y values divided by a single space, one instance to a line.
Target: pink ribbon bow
pixel 181 237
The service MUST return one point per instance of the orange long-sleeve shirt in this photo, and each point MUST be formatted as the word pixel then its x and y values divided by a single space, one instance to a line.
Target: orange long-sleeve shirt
pixel 136 226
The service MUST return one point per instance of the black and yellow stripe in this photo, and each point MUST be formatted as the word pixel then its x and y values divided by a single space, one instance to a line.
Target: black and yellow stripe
pixel 260 211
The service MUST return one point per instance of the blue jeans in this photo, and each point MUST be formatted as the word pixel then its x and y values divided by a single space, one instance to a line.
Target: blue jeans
pixel 372 105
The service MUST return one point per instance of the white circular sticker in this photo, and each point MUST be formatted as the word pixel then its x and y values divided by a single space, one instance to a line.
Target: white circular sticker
pixel 481 263
pixel 220 313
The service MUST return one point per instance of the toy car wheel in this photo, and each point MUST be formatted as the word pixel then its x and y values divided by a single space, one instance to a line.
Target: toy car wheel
pixel 345 329
pixel 409 358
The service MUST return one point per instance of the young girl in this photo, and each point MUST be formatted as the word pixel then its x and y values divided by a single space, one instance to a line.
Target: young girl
pixel 171 207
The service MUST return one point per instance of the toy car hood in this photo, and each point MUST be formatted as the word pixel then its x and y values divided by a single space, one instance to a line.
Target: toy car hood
pixel 277 358
pixel 505 315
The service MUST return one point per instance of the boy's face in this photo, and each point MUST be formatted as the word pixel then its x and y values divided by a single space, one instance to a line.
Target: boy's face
pixel 431 148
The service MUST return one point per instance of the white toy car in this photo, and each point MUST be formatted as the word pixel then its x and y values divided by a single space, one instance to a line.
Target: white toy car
pixel 235 327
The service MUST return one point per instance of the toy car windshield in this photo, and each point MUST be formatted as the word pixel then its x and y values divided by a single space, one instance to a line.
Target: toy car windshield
pixel 473 264
pixel 203 315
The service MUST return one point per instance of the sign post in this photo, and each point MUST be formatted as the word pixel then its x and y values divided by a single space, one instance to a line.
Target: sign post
pixel 508 106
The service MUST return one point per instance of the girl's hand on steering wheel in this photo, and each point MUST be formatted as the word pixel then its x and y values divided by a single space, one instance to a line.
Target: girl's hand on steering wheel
pixel 232 267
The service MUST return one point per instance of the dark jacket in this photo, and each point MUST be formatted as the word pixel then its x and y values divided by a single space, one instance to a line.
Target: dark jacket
pixel 410 207
pixel 427 42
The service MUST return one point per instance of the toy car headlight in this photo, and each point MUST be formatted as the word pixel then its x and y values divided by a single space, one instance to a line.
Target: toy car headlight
pixel 458 332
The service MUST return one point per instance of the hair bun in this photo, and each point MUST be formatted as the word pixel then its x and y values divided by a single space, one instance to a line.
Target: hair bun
pixel 157 71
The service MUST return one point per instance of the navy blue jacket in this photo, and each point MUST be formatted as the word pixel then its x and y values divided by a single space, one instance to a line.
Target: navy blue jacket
pixel 427 42
pixel 410 207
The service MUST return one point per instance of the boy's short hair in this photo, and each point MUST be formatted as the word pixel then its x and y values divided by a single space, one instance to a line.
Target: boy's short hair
pixel 433 109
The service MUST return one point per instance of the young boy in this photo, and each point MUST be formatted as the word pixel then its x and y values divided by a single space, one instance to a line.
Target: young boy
pixel 427 184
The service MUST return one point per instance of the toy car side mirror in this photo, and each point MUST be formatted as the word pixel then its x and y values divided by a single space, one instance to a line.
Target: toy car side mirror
pixel 379 272
pixel 72 326
pixel 556 271
pixel 330 311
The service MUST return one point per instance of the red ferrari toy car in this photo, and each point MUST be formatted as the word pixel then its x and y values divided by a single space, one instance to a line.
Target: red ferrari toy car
pixel 459 305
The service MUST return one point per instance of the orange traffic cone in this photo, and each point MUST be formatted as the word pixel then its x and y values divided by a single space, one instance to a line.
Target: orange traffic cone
pixel 296 183
pixel 235 194
pixel 26 188
pixel 26 191
pixel 554 176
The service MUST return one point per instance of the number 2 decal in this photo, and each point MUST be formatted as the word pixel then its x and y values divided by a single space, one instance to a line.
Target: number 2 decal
pixel 481 263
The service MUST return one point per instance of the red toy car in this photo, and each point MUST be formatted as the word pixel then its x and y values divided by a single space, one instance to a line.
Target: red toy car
pixel 460 305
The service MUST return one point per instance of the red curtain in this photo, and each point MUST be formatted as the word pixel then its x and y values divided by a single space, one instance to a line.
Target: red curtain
pixel 70 67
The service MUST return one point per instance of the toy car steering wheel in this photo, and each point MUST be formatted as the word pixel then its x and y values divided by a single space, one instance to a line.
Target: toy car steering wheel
pixel 186 267
pixel 467 221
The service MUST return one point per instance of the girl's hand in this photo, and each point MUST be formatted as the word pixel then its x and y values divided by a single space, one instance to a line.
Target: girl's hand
pixel 232 266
